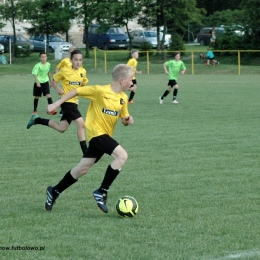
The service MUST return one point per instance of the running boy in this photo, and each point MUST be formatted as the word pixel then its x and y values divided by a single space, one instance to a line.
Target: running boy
pixel 42 76
pixel 65 63
pixel 133 63
pixel 174 68
pixel 72 77
pixel 108 103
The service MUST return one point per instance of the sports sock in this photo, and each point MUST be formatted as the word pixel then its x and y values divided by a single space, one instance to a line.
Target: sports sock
pixel 165 94
pixel 41 121
pixel 65 183
pixel 175 93
pixel 109 177
pixel 49 100
pixel 131 95
pixel 35 104
pixel 83 146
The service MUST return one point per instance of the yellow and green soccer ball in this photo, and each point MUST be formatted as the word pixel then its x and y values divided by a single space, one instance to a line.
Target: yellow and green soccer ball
pixel 127 206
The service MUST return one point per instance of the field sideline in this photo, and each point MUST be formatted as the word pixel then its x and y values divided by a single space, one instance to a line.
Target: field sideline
pixel 193 168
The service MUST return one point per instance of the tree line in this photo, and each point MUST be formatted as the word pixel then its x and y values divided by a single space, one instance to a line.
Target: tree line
pixel 172 16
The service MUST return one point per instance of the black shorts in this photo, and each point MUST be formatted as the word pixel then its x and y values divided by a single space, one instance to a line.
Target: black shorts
pixel 172 83
pixel 70 112
pixel 44 89
pixel 213 58
pixel 134 83
pixel 100 145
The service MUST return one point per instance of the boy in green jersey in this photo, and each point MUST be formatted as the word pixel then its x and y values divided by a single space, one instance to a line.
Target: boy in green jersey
pixel 173 68
pixel 42 76
pixel 108 104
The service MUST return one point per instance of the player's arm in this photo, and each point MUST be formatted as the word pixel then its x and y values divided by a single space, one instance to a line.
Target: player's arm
pixel 57 88
pixel 60 101
pixel 128 120
pixel 165 68
pixel 37 81
pixel 50 78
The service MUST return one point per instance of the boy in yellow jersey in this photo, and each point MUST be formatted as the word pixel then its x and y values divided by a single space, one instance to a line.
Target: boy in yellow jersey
pixel 42 76
pixel 65 63
pixel 108 104
pixel 133 63
pixel 72 78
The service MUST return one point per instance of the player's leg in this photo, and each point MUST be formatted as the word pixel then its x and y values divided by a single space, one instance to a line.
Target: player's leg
pixel 69 179
pixel 133 89
pixel 165 94
pixel 37 93
pixel 81 133
pixel 108 145
pixel 175 92
pixel 46 92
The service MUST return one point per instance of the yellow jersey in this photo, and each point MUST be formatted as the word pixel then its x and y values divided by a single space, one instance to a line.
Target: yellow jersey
pixel 64 63
pixel 104 110
pixel 71 79
pixel 133 63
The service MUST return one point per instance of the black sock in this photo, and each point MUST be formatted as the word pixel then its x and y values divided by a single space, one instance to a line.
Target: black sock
pixel 35 104
pixel 83 146
pixel 165 94
pixel 49 100
pixel 65 183
pixel 41 121
pixel 131 95
pixel 110 176
pixel 175 91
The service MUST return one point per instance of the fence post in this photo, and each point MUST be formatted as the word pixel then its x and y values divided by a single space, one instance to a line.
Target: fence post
pixel 147 60
pixel 192 63
pixel 238 59
pixel 105 61
pixel 95 56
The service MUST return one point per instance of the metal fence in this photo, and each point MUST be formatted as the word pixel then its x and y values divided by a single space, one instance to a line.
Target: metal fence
pixel 231 61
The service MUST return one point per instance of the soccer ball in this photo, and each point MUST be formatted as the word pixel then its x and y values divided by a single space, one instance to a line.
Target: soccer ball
pixel 127 206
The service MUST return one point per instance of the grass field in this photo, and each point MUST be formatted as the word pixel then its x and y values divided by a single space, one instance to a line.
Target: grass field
pixel 193 168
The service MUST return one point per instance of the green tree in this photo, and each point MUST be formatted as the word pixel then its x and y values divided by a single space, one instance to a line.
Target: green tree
pixel 172 15
pixel 218 5
pixel 88 12
pixel 121 12
pixel 47 17
pixel 10 12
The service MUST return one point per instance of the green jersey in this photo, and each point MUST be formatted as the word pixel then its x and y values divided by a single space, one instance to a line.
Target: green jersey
pixel 41 71
pixel 174 68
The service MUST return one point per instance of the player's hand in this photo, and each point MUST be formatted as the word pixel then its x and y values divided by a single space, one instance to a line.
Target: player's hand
pixel 129 120
pixel 60 91
pixel 50 108
pixel 38 85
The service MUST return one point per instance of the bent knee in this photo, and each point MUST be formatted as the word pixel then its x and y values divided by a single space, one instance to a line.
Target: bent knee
pixel 123 156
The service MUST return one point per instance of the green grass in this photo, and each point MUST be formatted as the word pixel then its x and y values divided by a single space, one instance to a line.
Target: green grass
pixel 193 168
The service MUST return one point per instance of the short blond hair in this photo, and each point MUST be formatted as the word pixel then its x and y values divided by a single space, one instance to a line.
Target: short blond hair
pixel 133 51
pixel 121 71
